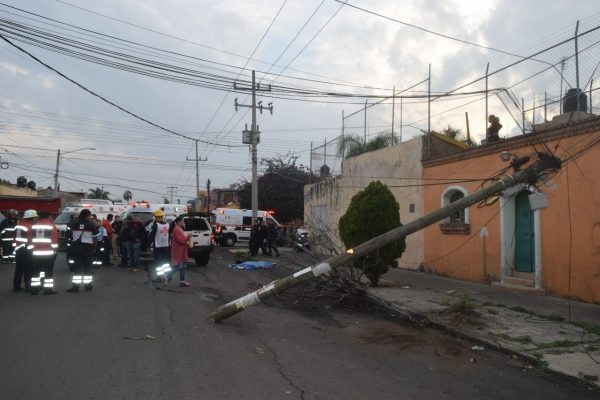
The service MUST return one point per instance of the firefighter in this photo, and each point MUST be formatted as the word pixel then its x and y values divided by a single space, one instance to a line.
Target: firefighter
pixel 7 234
pixel 82 237
pixel 159 241
pixel 45 244
pixel 23 244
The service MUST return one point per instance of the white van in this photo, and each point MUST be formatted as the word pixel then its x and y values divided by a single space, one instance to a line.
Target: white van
pixel 71 211
pixel 233 225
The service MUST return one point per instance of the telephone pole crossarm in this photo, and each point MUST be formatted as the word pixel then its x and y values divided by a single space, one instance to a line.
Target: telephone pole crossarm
pixel 532 174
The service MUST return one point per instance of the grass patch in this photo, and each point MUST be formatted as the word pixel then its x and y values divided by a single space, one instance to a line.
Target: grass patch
pixel 588 327
pixel 558 343
pixel 520 339
pixel 464 304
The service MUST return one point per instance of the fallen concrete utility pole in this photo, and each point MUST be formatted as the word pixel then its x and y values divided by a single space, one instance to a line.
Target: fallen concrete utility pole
pixel 532 174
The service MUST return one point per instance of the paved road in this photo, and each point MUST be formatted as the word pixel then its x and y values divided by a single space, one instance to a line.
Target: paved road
pixel 127 340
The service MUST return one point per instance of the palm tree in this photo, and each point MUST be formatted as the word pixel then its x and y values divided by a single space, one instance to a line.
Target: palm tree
pixel 98 193
pixel 353 145
pixel 127 195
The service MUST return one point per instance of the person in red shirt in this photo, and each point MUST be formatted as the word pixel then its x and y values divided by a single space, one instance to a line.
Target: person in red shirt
pixel 108 249
pixel 179 250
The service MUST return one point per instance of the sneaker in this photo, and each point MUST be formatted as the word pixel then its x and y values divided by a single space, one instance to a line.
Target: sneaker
pixel 129 269
pixel 135 270
pixel 74 289
pixel 49 291
pixel 184 284
pixel 34 291
pixel 88 288
pixel 17 289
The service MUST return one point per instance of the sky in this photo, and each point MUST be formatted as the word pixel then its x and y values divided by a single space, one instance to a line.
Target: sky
pixel 151 85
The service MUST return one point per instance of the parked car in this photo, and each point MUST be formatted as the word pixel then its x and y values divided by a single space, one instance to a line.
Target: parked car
pixel 203 237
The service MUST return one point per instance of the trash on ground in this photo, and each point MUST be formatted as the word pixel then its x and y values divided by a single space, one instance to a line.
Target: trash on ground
pixel 477 348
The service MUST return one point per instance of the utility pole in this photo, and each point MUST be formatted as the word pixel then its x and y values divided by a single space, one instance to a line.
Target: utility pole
pixel 207 196
pixel 254 138
pixel 197 174
pixel 530 175
pixel 170 190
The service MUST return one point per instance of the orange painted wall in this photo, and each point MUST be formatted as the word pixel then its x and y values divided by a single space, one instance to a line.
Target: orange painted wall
pixel 570 226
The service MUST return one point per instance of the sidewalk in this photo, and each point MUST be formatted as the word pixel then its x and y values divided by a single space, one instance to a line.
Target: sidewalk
pixel 562 335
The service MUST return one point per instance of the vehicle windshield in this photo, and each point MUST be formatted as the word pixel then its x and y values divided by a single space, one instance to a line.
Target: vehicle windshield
pixel 65 218
pixel 144 217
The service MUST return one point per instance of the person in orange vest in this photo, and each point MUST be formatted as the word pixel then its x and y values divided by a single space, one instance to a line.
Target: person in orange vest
pixel 45 243
pixel 23 245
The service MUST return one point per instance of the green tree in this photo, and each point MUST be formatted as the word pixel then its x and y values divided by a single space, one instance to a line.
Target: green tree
pixel 98 193
pixel 353 145
pixel 456 134
pixel 372 212
pixel 127 195
pixel 280 189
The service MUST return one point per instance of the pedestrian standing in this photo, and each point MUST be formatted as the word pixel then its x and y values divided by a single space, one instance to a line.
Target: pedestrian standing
pixel 117 226
pixel 7 234
pixel 159 242
pixel 272 236
pixel 108 240
pixel 179 251
pixel 45 244
pixel 134 235
pixel 23 258
pixel 100 243
pixel 83 233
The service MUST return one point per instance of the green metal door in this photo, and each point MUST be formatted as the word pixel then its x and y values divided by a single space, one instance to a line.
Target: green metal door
pixel 524 235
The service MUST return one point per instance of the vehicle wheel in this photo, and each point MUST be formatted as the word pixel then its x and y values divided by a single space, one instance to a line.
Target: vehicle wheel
pixel 202 260
pixel 228 240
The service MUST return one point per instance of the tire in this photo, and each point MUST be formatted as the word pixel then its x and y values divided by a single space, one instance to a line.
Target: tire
pixel 202 259
pixel 228 240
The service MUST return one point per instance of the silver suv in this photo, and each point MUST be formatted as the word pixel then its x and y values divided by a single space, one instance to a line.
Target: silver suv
pixel 203 238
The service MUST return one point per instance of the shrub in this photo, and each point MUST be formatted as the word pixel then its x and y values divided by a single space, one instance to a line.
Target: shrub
pixel 372 212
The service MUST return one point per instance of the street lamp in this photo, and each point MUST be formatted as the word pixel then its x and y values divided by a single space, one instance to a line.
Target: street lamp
pixel 58 162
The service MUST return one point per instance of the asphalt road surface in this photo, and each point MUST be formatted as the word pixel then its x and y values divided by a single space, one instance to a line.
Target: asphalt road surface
pixel 128 340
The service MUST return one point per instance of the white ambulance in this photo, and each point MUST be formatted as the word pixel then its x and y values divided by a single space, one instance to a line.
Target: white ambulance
pixel 71 211
pixel 144 211
pixel 233 225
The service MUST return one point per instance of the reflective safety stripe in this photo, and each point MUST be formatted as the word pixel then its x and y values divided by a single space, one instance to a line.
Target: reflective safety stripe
pixel 41 240
pixel 36 282
pixel 48 283
pixel 87 279
pixel 41 226
pixel 54 245
pixel 163 269
pixel 29 247
pixel 43 252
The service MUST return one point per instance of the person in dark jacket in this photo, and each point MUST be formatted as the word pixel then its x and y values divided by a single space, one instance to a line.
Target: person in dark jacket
pixel 133 235
pixel 7 233
pixel 82 239
pixel 272 234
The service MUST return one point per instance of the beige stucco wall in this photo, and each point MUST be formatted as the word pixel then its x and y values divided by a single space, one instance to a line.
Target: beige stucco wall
pixel 398 167
pixel 14 191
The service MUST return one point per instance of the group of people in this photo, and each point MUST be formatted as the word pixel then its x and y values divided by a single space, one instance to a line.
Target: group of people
pixel 31 242
pixel 263 236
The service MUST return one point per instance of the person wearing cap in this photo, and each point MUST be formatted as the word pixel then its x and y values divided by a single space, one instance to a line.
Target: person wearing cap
pixel 45 244
pixel 7 234
pixel 82 237
pixel 23 243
